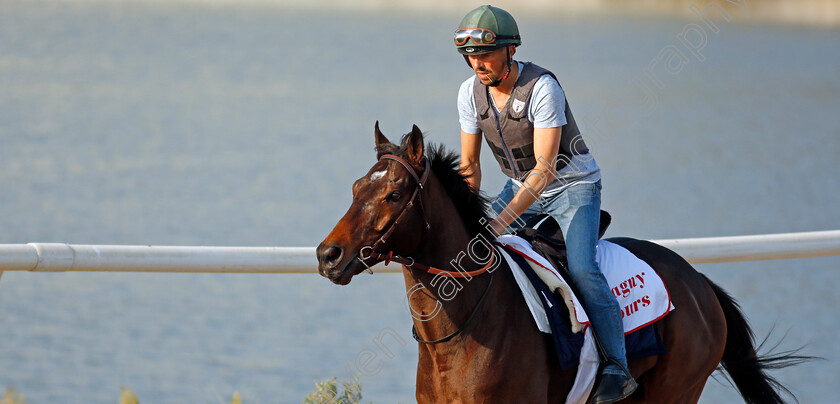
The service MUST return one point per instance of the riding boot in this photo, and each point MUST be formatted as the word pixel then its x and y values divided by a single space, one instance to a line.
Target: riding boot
pixel 614 387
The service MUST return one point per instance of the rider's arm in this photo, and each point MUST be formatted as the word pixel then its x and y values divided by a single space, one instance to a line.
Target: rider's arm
pixel 546 144
pixel 547 110
pixel 470 162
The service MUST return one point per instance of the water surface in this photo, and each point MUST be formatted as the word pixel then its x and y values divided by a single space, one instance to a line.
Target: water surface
pixel 186 125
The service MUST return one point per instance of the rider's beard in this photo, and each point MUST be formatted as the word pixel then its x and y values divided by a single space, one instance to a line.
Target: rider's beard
pixel 490 78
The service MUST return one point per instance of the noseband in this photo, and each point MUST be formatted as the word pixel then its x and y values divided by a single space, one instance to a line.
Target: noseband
pixel 373 251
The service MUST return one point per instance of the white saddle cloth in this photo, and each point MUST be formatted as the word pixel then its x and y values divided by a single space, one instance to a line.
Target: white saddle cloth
pixel 640 292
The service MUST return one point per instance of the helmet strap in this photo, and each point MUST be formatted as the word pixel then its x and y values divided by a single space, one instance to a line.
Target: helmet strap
pixel 509 64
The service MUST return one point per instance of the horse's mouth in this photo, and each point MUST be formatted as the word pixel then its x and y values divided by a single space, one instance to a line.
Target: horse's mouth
pixel 343 275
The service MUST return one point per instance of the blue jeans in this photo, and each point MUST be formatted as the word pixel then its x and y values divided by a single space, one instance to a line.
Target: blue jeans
pixel 578 211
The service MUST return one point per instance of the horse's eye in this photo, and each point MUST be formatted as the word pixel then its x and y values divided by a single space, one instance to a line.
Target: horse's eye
pixel 394 196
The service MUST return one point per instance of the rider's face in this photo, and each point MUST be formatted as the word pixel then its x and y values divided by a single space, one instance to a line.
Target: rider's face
pixel 490 66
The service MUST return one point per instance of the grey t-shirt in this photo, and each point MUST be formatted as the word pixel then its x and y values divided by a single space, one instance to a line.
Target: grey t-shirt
pixel 546 109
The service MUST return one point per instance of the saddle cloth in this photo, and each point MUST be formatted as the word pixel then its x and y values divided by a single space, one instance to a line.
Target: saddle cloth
pixel 640 292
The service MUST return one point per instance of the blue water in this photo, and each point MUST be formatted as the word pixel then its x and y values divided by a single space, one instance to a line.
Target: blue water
pixel 194 125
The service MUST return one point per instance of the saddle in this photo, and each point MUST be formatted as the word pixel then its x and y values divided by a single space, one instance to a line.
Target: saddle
pixel 546 238
pixel 545 235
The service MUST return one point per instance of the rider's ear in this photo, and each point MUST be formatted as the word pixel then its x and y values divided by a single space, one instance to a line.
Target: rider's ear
pixel 381 140
pixel 415 145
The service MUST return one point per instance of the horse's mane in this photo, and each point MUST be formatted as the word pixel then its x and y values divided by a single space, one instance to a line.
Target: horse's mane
pixel 471 205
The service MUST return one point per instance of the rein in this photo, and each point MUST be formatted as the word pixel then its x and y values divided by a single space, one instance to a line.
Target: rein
pixel 409 262
pixel 463 326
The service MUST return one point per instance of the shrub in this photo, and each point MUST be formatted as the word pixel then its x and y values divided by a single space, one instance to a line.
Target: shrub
pixel 327 392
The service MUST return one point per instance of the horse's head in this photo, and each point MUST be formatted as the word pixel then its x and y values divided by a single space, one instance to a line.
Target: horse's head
pixel 386 213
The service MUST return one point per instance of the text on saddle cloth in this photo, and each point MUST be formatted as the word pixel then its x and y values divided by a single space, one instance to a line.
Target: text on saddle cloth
pixel 640 291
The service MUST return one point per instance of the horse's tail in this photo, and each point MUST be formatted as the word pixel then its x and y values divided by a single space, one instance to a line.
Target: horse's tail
pixel 746 368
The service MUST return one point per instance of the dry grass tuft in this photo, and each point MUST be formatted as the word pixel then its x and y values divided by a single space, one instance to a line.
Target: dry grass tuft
pixel 327 392
pixel 128 397
pixel 12 397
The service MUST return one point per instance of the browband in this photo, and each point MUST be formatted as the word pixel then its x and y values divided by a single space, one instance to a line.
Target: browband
pixel 420 181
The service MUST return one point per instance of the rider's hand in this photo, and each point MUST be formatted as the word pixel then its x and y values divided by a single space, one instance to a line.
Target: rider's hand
pixel 498 227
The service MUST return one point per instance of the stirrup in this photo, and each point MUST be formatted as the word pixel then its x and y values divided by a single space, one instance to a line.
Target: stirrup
pixel 614 392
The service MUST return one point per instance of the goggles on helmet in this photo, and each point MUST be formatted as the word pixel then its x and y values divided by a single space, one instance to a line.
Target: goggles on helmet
pixel 479 36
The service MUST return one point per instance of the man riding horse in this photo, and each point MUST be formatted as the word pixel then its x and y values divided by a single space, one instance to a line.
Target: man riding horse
pixel 524 116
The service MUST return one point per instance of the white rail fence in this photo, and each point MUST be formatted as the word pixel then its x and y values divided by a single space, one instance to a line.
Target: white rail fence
pixel 59 257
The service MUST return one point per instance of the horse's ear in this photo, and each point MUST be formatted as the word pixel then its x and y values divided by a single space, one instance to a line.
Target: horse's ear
pixel 381 140
pixel 415 145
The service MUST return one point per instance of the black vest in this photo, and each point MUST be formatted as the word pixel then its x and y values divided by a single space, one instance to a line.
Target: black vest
pixel 511 135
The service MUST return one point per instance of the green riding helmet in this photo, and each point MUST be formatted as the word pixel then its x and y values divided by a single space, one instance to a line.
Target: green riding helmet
pixel 486 29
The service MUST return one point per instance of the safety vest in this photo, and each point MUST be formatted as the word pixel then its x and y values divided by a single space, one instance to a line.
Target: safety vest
pixel 509 132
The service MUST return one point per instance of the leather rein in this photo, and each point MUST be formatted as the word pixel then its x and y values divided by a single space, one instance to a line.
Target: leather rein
pixel 372 251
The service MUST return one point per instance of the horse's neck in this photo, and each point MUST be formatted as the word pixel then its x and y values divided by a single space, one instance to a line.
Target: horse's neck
pixel 441 304
pixel 447 236
pixel 499 346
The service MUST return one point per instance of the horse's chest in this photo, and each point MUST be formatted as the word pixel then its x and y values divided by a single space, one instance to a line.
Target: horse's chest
pixel 459 377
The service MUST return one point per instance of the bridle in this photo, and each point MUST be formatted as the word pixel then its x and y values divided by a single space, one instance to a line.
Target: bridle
pixel 408 261
pixel 421 181
pixel 368 252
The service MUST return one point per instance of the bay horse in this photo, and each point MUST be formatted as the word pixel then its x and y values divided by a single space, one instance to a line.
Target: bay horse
pixel 477 339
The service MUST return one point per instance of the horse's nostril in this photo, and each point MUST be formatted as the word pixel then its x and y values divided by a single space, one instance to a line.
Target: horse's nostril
pixel 331 255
